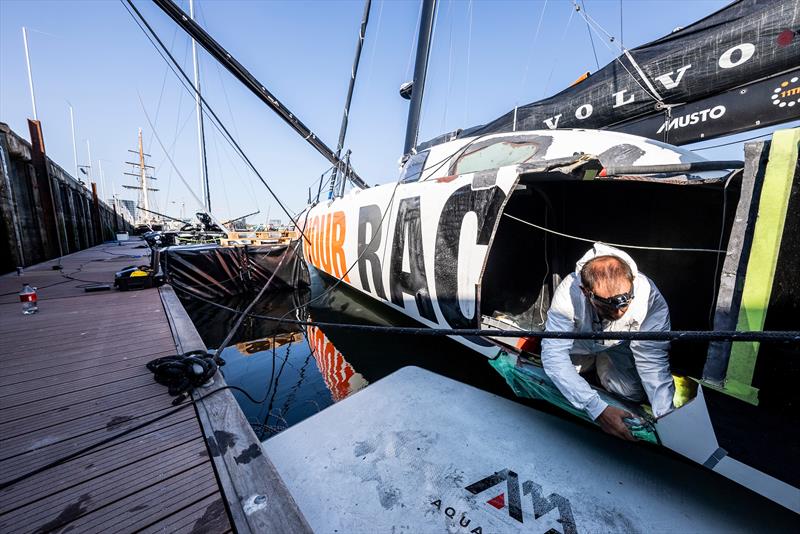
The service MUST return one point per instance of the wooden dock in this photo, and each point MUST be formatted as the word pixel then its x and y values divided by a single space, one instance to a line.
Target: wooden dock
pixel 73 375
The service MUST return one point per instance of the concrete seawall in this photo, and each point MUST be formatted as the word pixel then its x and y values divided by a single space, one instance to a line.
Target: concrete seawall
pixel 44 211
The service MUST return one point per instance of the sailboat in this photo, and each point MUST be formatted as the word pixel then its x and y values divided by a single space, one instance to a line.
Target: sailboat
pixel 483 222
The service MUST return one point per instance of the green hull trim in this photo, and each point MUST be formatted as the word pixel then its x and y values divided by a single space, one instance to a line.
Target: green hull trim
pixel 762 262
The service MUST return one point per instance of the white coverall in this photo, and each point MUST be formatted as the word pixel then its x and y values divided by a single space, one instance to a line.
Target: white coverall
pixel 630 370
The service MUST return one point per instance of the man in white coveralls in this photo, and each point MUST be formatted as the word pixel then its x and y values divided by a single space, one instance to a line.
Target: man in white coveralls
pixel 606 293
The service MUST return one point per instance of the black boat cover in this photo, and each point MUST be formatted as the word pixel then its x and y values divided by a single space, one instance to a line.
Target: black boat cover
pixel 735 70
pixel 213 271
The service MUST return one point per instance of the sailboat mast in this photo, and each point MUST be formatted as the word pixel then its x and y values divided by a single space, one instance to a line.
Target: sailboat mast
pixel 142 169
pixel 346 115
pixel 201 140
pixel 420 71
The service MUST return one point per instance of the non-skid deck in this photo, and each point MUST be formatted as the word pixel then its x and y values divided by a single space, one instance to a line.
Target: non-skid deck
pixel 74 374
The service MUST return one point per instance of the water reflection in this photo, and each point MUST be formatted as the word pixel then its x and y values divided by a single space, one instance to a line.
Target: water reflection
pixel 297 371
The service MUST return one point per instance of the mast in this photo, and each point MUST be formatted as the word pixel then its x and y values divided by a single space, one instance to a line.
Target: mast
pixel 89 165
pixel 243 75
pixel 420 71
pixel 142 169
pixel 30 74
pixel 201 140
pixel 141 176
pixel 346 115
pixel 74 146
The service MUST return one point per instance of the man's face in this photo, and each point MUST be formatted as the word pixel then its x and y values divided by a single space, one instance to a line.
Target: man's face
pixel 604 292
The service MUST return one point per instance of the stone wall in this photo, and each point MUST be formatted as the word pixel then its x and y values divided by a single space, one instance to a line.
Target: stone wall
pixel 29 204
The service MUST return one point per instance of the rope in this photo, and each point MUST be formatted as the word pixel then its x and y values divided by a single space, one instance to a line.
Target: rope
pixel 673 335
pixel 618 245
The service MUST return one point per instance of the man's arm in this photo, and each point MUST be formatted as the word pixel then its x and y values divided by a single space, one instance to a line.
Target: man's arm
pixel 652 357
pixel 556 355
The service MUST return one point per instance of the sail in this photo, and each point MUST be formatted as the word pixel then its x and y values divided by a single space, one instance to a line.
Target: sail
pixel 735 70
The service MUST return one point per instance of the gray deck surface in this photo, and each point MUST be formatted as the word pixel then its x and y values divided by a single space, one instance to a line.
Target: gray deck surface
pixel 75 374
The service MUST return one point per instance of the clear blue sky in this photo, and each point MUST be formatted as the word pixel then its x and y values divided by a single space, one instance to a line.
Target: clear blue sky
pixel 485 59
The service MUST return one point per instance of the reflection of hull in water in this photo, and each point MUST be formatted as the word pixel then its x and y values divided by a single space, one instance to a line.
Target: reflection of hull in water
pixel 339 376
pixel 449 248
pixel 213 271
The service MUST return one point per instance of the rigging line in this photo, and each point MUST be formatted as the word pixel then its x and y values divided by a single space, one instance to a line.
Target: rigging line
pixel 210 113
pixel 530 54
pixel 374 47
pixel 597 29
pixel 560 47
pixel 201 14
pixel 623 51
pixel 412 48
pixel 591 37
pixel 449 63
pixel 721 238
pixel 377 231
pixel 618 245
pixel 171 148
pixel 469 59
pixel 339 280
pixel 731 143
pixel 424 109
pixel 222 182
pixel 163 85
pixel 178 172
pixel 235 168
pixel 621 39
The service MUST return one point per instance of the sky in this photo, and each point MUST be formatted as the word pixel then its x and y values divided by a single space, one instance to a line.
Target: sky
pixel 487 56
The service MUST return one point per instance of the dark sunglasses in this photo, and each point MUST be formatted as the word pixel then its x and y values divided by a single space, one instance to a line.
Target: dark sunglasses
pixel 617 302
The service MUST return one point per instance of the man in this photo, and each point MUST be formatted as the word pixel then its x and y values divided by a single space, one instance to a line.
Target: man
pixel 606 293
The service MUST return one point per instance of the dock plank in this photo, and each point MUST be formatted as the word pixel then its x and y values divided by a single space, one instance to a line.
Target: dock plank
pixel 74 375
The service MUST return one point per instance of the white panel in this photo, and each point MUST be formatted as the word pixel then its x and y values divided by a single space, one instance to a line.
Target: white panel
pixel 759 482
pixel 688 430
pixel 381 460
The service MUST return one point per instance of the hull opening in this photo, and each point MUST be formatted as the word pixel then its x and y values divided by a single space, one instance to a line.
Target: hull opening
pixel 641 213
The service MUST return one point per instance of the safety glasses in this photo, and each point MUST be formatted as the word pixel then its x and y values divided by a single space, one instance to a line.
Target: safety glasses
pixel 617 302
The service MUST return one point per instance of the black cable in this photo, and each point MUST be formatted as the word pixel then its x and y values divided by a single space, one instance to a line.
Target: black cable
pixel 672 335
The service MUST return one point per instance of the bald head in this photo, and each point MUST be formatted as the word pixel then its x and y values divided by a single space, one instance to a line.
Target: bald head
pixel 606 275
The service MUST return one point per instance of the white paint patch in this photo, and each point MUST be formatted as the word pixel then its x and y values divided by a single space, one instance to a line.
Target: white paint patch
pixel 254 503
pixel 470 260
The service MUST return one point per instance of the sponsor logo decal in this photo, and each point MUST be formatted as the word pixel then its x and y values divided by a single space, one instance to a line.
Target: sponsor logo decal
pixel 787 94
pixel 324 246
pixel 511 496
pixel 690 119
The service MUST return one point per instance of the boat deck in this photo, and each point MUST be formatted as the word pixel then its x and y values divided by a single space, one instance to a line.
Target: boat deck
pixel 73 375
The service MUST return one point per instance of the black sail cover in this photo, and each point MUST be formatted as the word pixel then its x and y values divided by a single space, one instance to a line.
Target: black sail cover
pixel 735 70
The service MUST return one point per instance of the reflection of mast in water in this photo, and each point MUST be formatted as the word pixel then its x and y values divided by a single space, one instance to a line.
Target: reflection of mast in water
pixel 340 377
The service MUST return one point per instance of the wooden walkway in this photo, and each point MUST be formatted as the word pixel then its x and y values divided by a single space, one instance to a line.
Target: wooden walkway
pixel 73 375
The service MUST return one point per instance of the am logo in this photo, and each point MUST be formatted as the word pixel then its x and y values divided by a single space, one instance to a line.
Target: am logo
pixel 513 498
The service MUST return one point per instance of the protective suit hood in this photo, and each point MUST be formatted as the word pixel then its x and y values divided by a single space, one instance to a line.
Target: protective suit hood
pixel 601 249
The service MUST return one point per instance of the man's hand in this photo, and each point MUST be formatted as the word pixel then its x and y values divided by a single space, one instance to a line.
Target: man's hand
pixel 611 422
